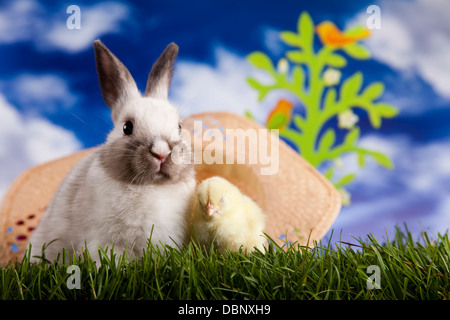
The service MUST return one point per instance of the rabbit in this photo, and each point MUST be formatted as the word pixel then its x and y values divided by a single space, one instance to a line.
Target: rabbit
pixel 131 188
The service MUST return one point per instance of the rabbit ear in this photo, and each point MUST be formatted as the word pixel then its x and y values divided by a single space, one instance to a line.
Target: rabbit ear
pixel 158 82
pixel 116 82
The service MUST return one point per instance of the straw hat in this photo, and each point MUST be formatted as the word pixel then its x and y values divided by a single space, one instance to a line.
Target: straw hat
pixel 299 202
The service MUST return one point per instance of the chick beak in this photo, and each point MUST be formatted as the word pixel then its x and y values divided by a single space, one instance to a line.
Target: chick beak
pixel 210 209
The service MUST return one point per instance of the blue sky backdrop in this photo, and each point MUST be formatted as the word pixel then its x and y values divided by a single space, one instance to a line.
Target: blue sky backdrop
pixel 50 101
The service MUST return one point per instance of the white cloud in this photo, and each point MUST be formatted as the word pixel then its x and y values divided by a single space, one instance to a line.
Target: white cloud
pixel 43 92
pixel 28 142
pixel 27 20
pixel 419 168
pixel 443 219
pixel 199 87
pixel 415 192
pixel 415 39
pixel 19 21
pixel 96 20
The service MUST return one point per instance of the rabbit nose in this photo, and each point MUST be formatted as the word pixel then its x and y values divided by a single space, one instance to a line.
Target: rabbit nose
pixel 161 157
pixel 160 150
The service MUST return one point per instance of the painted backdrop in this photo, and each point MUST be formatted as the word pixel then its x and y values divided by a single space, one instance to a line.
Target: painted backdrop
pixel 50 101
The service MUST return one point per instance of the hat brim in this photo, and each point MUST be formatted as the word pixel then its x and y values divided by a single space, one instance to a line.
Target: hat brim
pixel 299 202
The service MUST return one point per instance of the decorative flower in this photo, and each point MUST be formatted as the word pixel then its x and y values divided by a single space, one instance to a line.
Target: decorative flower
pixel 347 119
pixel 331 77
pixel 282 65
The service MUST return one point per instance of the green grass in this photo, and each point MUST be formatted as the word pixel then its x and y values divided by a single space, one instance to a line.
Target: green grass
pixel 409 269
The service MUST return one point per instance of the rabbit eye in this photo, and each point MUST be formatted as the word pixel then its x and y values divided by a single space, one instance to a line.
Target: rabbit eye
pixel 179 128
pixel 128 128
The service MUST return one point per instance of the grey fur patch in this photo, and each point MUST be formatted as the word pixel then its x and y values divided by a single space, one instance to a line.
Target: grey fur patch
pixel 129 160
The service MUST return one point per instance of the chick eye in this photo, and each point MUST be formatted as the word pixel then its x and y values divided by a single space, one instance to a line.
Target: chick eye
pixel 128 128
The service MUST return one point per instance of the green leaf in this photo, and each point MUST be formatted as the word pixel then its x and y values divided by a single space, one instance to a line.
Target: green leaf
pixel 381 110
pixel 291 38
pixel 357 51
pixel 351 137
pixel 361 160
pixel 382 159
pixel 305 27
pixel 297 56
pixel 298 77
pixel 261 60
pixel 336 60
pixel 254 83
pixel 351 86
pixel 249 115
pixel 386 110
pixel 299 122
pixel 345 180
pixel 373 91
pixel 329 173
pixel 277 121
pixel 263 90
pixel 374 118
pixel 327 140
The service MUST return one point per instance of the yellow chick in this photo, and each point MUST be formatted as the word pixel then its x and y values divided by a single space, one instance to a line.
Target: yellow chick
pixel 224 216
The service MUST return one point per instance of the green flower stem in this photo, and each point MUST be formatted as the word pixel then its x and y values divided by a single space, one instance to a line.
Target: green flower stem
pixel 313 119
pixel 316 65
pixel 323 101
